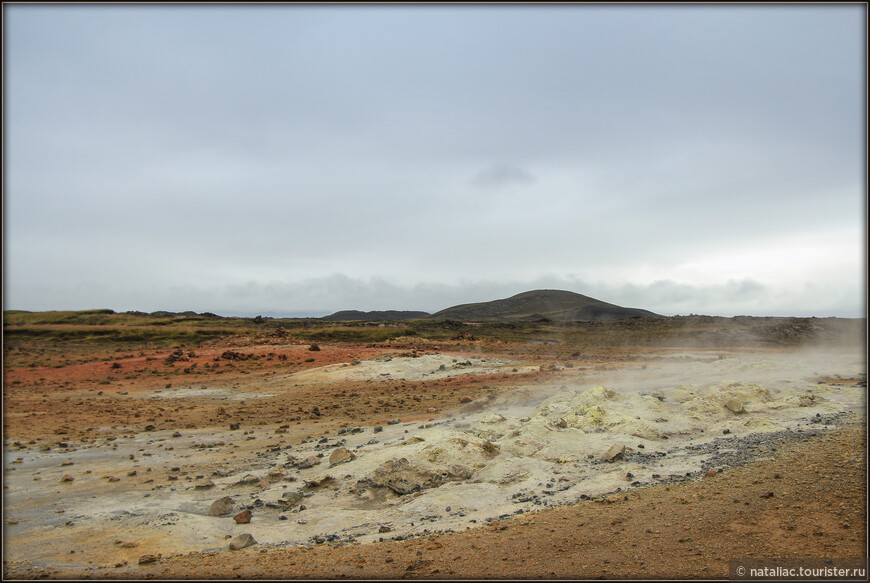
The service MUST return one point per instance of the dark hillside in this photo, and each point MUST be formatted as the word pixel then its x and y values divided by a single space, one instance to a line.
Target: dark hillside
pixel 563 306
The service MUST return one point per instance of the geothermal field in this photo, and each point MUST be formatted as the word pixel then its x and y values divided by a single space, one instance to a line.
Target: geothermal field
pixel 628 450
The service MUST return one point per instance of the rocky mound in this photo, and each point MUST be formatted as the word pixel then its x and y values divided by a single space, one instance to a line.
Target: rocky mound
pixel 375 316
pixel 563 306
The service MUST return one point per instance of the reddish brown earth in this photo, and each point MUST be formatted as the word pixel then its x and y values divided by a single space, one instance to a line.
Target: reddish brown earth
pixel 689 530
pixel 83 399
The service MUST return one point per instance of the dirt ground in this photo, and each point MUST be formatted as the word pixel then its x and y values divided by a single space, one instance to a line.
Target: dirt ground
pixel 803 498
pixel 688 530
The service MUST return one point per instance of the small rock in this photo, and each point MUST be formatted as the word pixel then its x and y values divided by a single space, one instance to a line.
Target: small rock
pixel 234 426
pixel 489 447
pixel 291 498
pixel 711 473
pixel 615 452
pixel 243 517
pixel 384 529
pixel 221 507
pixel 242 541
pixel 249 479
pixel 203 484
pixel 308 462
pixel 561 423
pixel 767 495
pixel 340 456
pixel 459 472
pixel 465 399
pixel 734 406
pixel 146 559
pixel 66 478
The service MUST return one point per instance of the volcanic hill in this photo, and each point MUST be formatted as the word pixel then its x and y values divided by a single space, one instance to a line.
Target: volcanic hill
pixel 557 305
pixel 375 316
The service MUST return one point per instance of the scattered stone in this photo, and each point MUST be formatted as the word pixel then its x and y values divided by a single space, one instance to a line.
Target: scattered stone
pixel 308 462
pixel 767 495
pixel 66 478
pixel 465 399
pixel 314 348
pixel 324 481
pixel 378 429
pixel 290 498
pixel 489 447
pixel 734 406
pixel 247 480
pixel 221 507
pixel 458 472
pixel 234 426
pixel 242 541
pixel 203 484
pixel 147 559
pixel 403 478
pixel 711 473
pixel 615 452
pixel 394 421
pixel 384 529
pixel 561 423
pixel 340 456
pixel 243 517
pixel 176 434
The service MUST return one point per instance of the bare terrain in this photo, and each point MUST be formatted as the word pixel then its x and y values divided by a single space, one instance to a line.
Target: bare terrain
pixel 144 447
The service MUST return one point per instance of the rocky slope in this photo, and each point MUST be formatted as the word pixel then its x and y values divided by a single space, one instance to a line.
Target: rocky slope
pixel 542 304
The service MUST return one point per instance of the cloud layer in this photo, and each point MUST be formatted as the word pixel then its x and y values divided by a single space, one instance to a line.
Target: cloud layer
pixel 235 156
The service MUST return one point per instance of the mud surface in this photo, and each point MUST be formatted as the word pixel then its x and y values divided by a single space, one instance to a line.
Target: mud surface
pixel 372 449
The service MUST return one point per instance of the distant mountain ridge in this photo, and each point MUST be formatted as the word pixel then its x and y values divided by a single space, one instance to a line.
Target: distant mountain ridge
pixel 375 316
pixel 557 305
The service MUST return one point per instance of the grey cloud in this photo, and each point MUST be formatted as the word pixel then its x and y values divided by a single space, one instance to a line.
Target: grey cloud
pixel 171 145
pixel 503 174
pixel 318 296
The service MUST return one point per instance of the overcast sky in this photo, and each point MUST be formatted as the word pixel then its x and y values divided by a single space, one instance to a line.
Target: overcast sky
pixel 291 159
